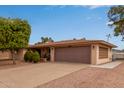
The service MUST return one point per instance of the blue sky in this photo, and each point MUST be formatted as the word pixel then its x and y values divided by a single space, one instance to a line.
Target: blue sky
pixel 64 22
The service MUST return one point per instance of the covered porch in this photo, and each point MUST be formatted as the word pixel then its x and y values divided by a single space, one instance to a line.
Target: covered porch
pixel 46 53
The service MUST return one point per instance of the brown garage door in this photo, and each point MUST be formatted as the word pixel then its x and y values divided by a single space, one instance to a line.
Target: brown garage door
pixel 73 54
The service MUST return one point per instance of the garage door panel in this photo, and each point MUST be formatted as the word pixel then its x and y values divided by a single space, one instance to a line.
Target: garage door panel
pixel 73 54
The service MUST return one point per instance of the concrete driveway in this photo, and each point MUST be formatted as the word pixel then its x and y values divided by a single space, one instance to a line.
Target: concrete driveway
pixel 37 74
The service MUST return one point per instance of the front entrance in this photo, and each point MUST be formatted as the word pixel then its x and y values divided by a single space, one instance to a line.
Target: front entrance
pixel 45 53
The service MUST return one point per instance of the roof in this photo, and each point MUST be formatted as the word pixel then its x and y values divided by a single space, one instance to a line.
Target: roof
pixel 72 43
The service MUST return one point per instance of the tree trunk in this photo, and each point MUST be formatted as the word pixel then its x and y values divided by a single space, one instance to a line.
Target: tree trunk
pixel 13 56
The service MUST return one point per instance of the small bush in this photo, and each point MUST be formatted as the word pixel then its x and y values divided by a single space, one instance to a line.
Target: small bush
pixel 28 56
pixel 35 57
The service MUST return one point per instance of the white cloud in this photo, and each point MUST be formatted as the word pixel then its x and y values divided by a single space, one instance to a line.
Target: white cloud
pixel 93 18
pixel 95 6
pixel 62 6
pixel 91 7
pixel 109 23
pixel 76 6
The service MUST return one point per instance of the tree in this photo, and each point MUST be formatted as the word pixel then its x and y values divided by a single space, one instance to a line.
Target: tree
pixel 46 39
pixel 116 20
pixel 14 34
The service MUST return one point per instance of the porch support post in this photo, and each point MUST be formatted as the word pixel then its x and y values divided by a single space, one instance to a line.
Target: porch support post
pixel 52 54
pixel 40 53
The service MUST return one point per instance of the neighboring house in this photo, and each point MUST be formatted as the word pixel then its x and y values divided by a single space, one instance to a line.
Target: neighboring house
pixel 84 51
pixel 117 54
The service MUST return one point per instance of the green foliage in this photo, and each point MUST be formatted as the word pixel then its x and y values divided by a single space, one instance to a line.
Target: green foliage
pixel 46 39
pixel 35 57
pixel 31 56
pixel 116 18
pixel 28 56
pixel 14 33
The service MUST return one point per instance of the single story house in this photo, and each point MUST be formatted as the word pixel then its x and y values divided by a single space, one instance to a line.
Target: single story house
pixel 84 51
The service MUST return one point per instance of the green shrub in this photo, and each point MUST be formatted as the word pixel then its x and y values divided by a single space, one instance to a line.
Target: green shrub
pixel 28 56
pixel 35 57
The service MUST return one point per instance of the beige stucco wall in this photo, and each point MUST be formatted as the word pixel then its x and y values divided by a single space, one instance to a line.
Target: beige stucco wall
pixel 95 55
pixel 21 53
pixel 8 55
pixel 52 54
pixel 5 54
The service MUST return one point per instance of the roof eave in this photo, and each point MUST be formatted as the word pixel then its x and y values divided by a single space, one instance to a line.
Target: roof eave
pixel 55 44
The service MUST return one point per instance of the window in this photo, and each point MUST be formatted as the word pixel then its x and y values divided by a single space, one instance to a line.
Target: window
pixel 103 52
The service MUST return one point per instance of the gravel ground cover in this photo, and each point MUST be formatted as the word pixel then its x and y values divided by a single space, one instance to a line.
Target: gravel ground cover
pixel 91 77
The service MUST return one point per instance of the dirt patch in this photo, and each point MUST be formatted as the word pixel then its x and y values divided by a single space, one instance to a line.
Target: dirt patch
pixel 91 77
